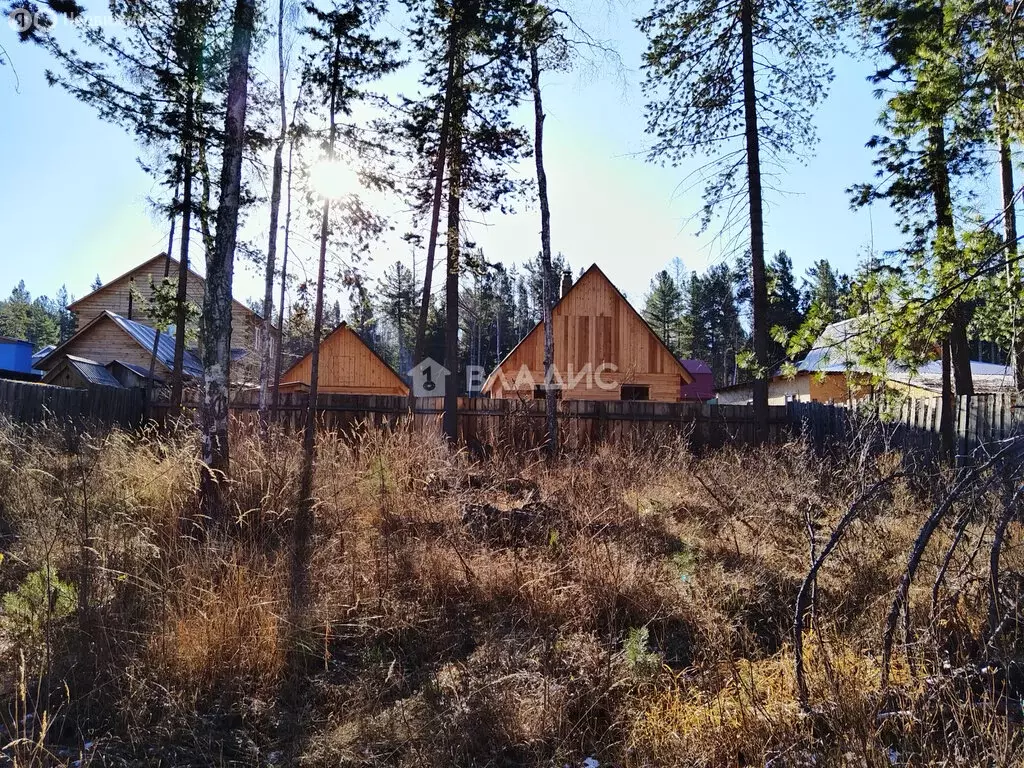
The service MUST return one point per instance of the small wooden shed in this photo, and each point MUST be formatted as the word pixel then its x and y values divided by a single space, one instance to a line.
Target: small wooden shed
pixel 347 366
pixel 80 373
pixel 604 350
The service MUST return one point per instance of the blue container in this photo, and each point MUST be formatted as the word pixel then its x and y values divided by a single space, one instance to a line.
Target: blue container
pixel 15 355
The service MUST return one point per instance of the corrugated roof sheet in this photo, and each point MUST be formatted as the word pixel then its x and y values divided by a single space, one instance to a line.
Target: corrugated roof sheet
pixel 43 353
pixel 93 372
pixel 136 369
pixel 832 350
pixel 833 353
pixel 145 335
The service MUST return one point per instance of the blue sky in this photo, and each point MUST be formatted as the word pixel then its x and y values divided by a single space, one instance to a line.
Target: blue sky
pixel 73 197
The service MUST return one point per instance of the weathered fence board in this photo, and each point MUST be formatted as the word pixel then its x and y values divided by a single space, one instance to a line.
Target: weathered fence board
pixel 27 402
pixel 486 422
pixel 915 425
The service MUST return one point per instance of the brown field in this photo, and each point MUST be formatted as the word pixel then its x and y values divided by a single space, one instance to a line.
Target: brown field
pixel 633 606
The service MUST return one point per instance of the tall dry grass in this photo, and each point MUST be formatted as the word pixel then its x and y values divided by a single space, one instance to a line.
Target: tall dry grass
pixel 633 605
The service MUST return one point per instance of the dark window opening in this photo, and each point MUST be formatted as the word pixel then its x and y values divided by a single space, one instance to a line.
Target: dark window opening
pixel 539 391
pixel 634 392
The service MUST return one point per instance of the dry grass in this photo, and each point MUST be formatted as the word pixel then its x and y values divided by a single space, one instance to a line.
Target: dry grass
pixel 638 610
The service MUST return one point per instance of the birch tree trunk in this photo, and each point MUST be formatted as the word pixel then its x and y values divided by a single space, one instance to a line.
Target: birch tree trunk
pixel 550 401
pixel 219 268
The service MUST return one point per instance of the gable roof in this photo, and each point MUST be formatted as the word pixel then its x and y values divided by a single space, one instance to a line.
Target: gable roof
pixel 832 351
pixel 686 375
pixel 92 372
pixel 162 257
pixel 42 353
pixel 138 370
pixel 341 327
pixel 144 336
pixel 695 366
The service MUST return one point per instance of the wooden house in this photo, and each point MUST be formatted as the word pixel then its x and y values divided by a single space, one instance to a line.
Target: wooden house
pixel 832 372
pixel 118 297
pixel 347 366
pixel 604 350
pixel 108 338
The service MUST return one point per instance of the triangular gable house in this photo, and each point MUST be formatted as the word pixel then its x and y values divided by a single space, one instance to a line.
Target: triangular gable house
pixel 604 350
pixel 109 337
pixel 118 298
pixel 347 366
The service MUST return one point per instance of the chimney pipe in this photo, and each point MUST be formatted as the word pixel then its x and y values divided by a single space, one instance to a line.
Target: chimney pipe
pixel 566 282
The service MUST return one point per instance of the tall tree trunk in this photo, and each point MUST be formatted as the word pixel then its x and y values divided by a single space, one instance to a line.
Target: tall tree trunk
pixel 267 343
pixel 547 281
pixel 279 354
pixel 959 313
pixel 167 272
pixel 181 300
pixel 758 276
pixel 450 418
pixel 1013 281
pixel 947 432
pixel 303 531
pixel 435 211
pixel 219 269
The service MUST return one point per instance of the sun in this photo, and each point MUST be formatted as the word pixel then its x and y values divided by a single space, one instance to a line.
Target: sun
pixel 332 179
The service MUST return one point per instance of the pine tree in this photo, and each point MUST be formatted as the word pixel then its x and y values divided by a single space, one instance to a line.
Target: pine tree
pixel 735 79
pixel 663 310
pixel 934 131
pixel 461 129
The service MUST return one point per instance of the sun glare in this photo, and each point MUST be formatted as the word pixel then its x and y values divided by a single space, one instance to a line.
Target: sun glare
pixel 332 179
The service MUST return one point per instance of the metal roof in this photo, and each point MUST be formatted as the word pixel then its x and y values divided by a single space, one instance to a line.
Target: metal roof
pixel 42 353
pixel 136 369
pixel 93 372
pixel 145 335
pixel 832 351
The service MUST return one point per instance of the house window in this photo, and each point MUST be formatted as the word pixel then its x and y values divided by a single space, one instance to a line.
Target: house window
pixel 634 392
pixel 539 391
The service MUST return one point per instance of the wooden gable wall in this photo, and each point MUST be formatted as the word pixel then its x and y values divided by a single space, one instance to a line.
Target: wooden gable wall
pixel 113 297
pixel 347 366
pixel 593 324
pixel 106 341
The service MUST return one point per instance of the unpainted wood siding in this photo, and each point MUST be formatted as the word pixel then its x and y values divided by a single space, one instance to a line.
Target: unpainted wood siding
pixel 65 376
pixel 114 297
pixel 600 343
pixel 347 366
pixel 106 341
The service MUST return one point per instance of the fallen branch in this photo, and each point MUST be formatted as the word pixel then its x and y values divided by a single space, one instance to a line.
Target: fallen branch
pixel 811 578
pixel 967 478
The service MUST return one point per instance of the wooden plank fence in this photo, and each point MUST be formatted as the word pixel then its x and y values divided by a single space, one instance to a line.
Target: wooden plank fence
pixel 27 403
pixel 489 423
pixel 979 420
pixel 486 424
